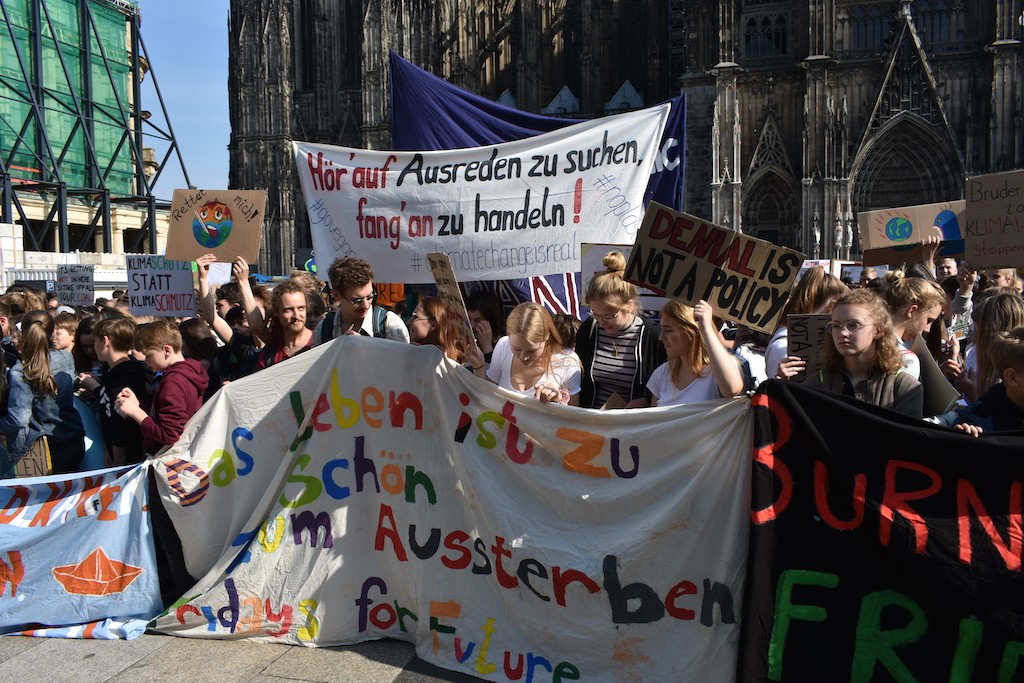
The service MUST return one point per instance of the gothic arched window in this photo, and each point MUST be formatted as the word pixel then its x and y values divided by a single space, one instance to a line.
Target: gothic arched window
pixel 765 36
pixel 870 26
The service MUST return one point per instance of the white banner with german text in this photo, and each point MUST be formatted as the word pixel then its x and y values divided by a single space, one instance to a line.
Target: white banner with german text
pixel 379 490
pixel 506 211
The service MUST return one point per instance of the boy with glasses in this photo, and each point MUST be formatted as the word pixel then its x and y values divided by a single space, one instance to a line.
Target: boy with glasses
pixel 352 288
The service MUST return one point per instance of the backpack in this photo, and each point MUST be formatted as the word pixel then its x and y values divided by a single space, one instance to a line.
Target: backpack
pixel 379 315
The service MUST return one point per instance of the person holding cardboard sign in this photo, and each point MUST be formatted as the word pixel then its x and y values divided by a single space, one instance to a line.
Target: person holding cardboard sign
pixel 699 367
pixel 863 359
pixel 430 325
pixel 816 292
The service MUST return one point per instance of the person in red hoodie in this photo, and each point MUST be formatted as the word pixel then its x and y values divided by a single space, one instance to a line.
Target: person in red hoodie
pixel 177 398
pixel 178 395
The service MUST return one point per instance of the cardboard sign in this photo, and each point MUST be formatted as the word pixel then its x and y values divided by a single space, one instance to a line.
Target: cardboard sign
pixel 227 223
pixel 160 286
pixel 814 263
pixel 805 337
pixel 389 294
pixel 995 220
pixel 76 285
pixel 36 462
pixel 449 293
pixel 687 258
pixel 908 225
pixel 592 256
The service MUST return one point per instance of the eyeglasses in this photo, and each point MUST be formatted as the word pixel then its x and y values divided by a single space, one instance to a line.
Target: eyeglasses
pixel 360 300
pixel 607 318
pixel 851 326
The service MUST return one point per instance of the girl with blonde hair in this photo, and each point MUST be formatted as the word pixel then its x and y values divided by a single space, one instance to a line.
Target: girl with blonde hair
pixel 914 304
pixel 699 367
pixel 618 347
pixel 531 358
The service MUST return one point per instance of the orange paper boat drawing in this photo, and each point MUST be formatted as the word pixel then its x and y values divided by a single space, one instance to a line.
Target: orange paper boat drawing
pixel 97 574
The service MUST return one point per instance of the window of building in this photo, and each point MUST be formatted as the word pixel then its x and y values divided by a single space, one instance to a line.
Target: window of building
pixel 871 26
pixel 932 19
pixel 765 36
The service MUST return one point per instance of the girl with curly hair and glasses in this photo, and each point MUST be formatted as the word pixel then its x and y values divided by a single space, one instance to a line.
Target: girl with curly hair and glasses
pixel 863 359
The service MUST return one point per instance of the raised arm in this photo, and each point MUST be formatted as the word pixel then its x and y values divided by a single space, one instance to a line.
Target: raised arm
pixel 207 301
pixel 257 325
pixel 724 365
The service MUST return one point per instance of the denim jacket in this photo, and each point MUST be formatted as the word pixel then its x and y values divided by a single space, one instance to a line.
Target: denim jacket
pixel 30 416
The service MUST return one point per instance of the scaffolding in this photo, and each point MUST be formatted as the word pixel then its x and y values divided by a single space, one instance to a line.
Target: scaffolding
pixel 73 133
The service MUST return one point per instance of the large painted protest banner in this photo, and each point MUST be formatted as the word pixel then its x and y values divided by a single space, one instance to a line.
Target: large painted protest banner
pixel 995 219
pixel 883 548
pixel 367 489
pixel 743 278
pixel 77 550
pixel 504 211
pixel 387 492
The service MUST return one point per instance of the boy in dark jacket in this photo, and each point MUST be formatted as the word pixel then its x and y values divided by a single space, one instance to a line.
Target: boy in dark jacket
pixel 178 395
pixel 177 398
pixel 1001 408
pixel 112 341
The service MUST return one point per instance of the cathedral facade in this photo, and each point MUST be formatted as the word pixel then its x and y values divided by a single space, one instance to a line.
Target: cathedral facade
pixel 817 110
pixel 799 113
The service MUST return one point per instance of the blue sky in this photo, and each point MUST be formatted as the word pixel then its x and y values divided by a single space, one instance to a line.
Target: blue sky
pixel 187 43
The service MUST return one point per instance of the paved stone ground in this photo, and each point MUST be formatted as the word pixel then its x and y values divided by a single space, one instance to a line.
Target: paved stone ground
pixel 156 657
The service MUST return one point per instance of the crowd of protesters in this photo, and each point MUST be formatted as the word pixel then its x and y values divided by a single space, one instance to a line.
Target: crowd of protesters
pixel 140 379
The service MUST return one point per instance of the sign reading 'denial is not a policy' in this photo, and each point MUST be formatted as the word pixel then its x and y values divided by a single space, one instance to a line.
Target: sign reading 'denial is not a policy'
pixel 745 279
pixel 504 211
pixel 226 223
pixel 995 219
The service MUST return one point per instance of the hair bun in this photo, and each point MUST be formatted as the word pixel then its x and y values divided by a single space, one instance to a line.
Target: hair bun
pixel 614 262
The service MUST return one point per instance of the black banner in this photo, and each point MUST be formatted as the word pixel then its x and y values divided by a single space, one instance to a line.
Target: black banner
pixel 882 548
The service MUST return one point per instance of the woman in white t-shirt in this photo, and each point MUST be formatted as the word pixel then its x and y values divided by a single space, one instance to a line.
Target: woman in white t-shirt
pixel 699 367
pixel 531 358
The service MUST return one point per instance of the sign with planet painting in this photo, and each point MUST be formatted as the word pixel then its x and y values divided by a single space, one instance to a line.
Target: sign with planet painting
pixel 890 236
pixel 227 223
